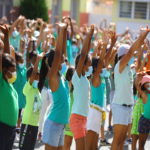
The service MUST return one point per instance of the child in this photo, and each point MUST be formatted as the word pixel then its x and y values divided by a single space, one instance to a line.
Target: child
pixel 144 122
pixel 98 104
pixel 53 133
pixel 68 132
pixel 9 97
pixel 30 119
pixel 81 94
pixel 19 84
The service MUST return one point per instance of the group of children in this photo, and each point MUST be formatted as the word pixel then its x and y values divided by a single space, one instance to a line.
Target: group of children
pixel 57 80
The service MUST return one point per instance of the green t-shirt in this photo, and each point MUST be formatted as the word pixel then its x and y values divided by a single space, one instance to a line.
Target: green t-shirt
pixel 19 85
pixel 8 103
pixel 32 95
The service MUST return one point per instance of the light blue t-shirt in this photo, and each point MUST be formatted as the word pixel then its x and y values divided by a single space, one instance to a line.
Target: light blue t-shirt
pixel 81 95
pixel 123 86
pixel 59 111
pixel 98 95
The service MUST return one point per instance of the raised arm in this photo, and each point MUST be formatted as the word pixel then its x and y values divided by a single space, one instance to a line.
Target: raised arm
pixel 136 45
pixel 5 31
pixel 85 50
pixel 100 63
pixel 59 50
pixel 113 42
pixel 35 68
pixel 139 63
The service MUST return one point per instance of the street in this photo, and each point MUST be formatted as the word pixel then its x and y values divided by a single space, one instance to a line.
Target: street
pixel 40 146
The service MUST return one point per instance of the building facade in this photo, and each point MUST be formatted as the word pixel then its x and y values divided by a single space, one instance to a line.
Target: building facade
pixel 74 8
pixel 6 6
pixel 125 13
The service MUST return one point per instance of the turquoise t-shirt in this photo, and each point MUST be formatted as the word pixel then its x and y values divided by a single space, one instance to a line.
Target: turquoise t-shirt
pixel 59 111
pixel 69 48
pixel 19 85
pixel 8 103
pixel 147 108
pixel 98 95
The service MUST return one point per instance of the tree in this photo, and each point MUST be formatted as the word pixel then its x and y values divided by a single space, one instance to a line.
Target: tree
pixel 33 9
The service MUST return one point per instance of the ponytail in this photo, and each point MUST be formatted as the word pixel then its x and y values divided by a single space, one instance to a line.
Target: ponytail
pixel 43 74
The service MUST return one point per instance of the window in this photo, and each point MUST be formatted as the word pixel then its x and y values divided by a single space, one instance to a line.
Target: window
pixel 125 9
pixel 134 9
pixel 140 10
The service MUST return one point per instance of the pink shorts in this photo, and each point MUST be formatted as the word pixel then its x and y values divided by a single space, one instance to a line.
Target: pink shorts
pixel 78 125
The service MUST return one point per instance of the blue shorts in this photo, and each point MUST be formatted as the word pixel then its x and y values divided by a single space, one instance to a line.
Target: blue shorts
pixel 144 125
pixel 121 115
pixel 53 133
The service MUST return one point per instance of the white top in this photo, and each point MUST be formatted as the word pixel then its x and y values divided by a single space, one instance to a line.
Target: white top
pixel 81 95
pixel 123 86
pixel 46 102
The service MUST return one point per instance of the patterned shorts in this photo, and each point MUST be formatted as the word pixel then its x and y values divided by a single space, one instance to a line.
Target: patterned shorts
pixel 144 125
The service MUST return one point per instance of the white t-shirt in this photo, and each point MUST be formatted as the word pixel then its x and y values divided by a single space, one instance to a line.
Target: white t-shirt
pixel 123 86
pixel 81 95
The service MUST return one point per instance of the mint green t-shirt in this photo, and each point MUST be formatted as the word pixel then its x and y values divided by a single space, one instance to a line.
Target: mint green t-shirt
pixel 19 85
pixel 147 108
pixel 32 94
pixel 8 103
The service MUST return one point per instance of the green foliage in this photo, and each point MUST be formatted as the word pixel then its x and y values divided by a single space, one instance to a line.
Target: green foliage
pixel 33 9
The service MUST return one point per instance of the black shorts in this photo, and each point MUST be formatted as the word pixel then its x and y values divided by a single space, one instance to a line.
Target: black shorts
pixel 28 136
pixel 144 125
pixel 7 136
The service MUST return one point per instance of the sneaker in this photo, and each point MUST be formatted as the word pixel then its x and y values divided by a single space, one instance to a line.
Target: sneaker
pixel 17 130
pixel 129 141
pixel 105 143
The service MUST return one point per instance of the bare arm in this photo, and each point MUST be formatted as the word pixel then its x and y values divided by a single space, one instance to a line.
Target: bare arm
pixel 5 31
pixel 59 50
pixel 35 68
pixel 139 63
pixel 136 45
pixel 113 41
pixel 84 52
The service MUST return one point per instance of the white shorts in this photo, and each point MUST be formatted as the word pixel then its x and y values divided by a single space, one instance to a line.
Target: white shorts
pixel 121 115
pixel 94 120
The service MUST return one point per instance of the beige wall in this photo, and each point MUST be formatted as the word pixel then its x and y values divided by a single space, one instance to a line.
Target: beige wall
pixel 101 7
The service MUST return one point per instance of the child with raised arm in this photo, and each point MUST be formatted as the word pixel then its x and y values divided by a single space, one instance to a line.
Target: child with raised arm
pixel 53 133
pixel 31 114
pixel 81 94
pixel 9 97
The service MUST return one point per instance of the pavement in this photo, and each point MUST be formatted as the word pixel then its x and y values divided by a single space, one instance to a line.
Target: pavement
pixel 109 136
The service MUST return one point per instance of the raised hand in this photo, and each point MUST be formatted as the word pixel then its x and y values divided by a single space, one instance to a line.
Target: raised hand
pixel 4 29
pixel 113 37
pixel 147 29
